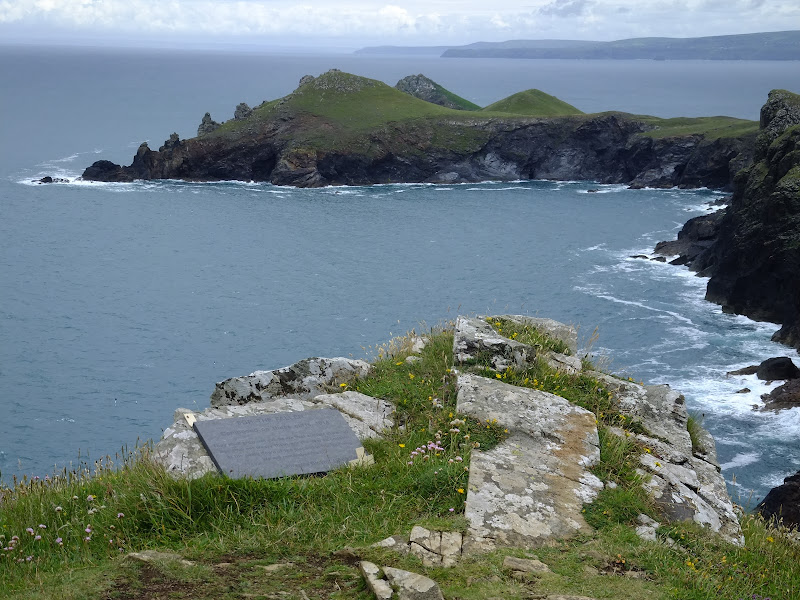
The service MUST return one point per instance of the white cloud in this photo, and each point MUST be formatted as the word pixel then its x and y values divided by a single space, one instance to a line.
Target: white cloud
pixel 415 22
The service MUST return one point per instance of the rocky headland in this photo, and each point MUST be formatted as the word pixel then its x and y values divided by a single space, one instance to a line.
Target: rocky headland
pixel 339 128
pixel 751 250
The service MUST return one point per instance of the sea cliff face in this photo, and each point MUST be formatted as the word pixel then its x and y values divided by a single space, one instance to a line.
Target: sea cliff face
pixel 754 264
pixel 342 129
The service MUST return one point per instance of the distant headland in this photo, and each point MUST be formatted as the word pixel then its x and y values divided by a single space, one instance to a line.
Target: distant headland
pixel 780 45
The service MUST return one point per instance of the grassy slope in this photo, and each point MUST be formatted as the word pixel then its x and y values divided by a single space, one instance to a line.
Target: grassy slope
pixel 235 528
pixel 456 99
pixel 344 112
pixel 533 103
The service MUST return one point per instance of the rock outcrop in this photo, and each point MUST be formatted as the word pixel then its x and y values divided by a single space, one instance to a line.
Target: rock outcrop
pixel 782 503
pixel 426 89
pixel 242 111
pixel 298 141
pixel 754 262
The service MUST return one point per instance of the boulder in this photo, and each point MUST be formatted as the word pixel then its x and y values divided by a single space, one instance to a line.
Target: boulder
pixel 532 486
pixel 375 582
pixel 780 367
pixel 782 503
pixel 412 586
pixel 474 339
pixel 305 379
pixel 435 548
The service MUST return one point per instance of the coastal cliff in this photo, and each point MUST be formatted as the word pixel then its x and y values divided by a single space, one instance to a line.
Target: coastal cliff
pixel 339 128
pixel 751 251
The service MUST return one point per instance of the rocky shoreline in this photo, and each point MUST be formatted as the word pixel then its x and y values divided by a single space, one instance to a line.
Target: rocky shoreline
pixel 298 141
pixel 751 250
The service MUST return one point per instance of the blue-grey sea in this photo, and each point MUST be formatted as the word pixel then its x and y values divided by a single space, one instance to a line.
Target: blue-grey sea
pixel 122 302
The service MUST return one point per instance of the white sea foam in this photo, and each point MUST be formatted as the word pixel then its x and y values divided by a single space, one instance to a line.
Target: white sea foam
pixel 741 460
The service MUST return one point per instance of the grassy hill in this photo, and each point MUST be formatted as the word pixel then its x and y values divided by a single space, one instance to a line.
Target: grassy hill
pixel 533 103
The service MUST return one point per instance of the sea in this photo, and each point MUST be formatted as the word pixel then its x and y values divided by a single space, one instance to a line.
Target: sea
pixel 121 302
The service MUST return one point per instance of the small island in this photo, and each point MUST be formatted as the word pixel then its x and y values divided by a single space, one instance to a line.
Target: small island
pixel 343 129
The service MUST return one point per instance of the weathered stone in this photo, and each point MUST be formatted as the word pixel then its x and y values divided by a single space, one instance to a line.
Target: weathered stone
pixel 435 548
pixel 525 565
pixel 531 487
pixel 372 575
pixel 305 79
pixel 398 543
pixel 475 338
pixel 305 379
pixel 563 363
pixel 411 586
pixel 207 125
pixel 242 111
pixel 182 453
pixel 149 556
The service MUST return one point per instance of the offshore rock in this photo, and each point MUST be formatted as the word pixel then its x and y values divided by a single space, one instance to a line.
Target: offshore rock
pixel 531 487
pixel 305 379
pixel 783 396
pixel 782 503
pixel 780 367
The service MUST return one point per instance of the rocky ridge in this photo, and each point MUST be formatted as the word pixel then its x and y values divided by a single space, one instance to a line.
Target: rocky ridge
pixel 338 128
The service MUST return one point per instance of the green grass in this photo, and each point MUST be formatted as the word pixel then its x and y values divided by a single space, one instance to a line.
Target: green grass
pixel 462 103
pixel 533 103
pixel 233 529
pixel 709 127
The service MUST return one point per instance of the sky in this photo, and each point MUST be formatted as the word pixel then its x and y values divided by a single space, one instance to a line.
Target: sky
pixel 356 23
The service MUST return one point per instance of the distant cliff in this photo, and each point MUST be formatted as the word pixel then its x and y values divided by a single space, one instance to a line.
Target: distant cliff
pixel 751 250
pixel 343 129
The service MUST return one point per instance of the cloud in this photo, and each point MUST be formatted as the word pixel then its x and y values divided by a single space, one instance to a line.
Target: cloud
pixel 398 22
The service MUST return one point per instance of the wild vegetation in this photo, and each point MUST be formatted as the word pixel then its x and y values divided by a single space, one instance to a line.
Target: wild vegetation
pixel 66 536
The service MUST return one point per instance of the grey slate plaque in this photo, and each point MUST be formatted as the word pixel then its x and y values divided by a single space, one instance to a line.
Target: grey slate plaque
pixel 280 444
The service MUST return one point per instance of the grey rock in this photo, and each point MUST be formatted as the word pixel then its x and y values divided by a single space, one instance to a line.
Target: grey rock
pixel 207 125
pixel 242 111
pixel 532 487
pixel 685 484
pixel 426 89
pixel 373 576
pixel 305 379
pixel 181 452
pixel 150 556
pixel 305 79
pixel 436 548
pixel 570 365
pixel 474 337
pixel 525 565
pixel 411 586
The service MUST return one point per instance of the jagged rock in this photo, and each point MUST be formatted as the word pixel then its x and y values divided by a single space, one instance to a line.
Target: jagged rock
pixel 684 482
pixel 474 338
pixel 783 396
pixel 525 565
pixel 48 179
pixel 182 453
pixel 242 111
pixel 780 367
pixel 207 125
pixel 373 577
pixel 566 364
pixel 750 370
pixel 696 236
pixel 647 528
pixel 304 379
pixel 174 141
pixel 782 503
pixel 305 79
pixel 531 487
pixel 411 586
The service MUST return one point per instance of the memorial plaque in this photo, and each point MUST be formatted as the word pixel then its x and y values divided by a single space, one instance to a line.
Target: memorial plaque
pixel 280 444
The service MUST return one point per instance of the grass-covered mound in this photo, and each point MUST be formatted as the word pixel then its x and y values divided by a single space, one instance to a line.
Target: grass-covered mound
pixel 66 537
pixel 533 103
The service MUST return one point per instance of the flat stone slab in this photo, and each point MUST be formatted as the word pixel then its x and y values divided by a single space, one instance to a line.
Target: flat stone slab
pixel 531 487
pixel 279 445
